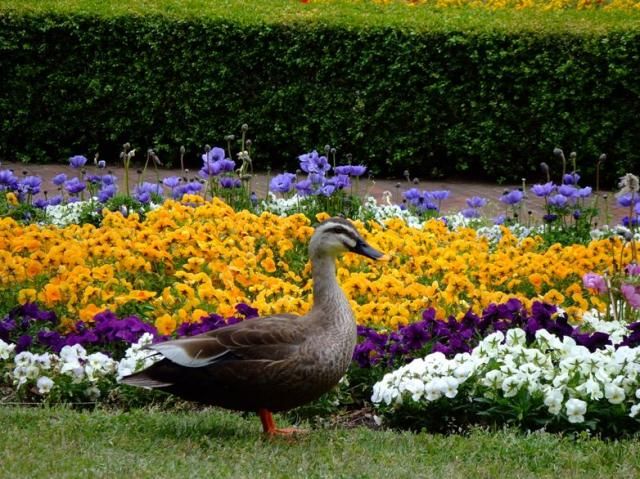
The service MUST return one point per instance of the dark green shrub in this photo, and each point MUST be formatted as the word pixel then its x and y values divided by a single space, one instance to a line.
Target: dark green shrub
pixel 488 102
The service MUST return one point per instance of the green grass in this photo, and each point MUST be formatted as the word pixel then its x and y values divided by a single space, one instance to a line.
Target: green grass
pixel 63 443
pixel 349 13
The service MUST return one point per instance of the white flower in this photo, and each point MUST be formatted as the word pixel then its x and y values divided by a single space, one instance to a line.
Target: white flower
pixel 592 389
pixel 44 385
pixel 553 400
pixel 576 408
pixel 24 359
pixel 615 394
pixel 450 387
pixel 413 386
pixel 635 409
pixel 43 361
pixel 6 350
pixel 432 391
pixel 516 336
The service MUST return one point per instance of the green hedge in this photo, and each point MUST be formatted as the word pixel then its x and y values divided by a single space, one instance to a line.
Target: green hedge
pixel 489 103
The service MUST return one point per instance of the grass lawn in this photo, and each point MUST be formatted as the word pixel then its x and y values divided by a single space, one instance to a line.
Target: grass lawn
pixel 63 443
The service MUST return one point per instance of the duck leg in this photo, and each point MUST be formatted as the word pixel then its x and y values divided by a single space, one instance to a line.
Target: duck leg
pixel 269 425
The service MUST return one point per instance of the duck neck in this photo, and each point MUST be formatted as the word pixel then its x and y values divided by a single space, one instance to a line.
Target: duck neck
pixel 327 294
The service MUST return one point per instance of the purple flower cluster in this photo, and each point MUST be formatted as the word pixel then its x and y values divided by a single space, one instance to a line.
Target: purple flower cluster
pixel 8 181
pixel 318 181
pixel 473 207
pixel 30 327
pixel 215 321
pixel 425 200
pixel 145 191
pixel 215 163
pixel 451 336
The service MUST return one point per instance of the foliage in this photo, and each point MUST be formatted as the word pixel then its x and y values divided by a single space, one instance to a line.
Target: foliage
pixel 456 92
pixel 214 443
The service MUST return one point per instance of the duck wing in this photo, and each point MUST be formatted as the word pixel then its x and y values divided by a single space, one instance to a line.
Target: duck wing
pixel 270 338
pixel 263 340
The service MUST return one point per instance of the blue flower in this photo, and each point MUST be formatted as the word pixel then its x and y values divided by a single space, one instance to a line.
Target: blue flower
pixel 512 197
pixel 340 181
pixel 440 195
pixel 229 182
pixel 313 163
pixel 171 181
pixel 476 202
pixel 30 185
pixel 8 181
pixel 59 180
pixel 74 186
pixel 55 200
pixel 558 200
pixel 77 161
pixel 412 195
pixel 109 179
pixel 304 187
pixel 327 190
pixel 282 183
pixel 470 213
pixel 106 193
pixel 214 154
pixel 542 190
pixel 569 191
pixel 571 178
pixel 585 192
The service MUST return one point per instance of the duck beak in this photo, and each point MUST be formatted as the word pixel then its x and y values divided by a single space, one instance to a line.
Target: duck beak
pixel 363 248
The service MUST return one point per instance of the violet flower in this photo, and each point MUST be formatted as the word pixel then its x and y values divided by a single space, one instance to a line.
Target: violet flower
pixel 512 197
pixel 594 281
pixel 74 186
pixel 77 161
pixel 282 183
pixel 631 294
pixel 543 190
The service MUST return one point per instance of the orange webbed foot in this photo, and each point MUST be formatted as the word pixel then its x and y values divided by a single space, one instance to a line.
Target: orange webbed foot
pixel 270 429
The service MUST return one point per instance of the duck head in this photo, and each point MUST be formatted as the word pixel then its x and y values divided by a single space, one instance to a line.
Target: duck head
pixel 338 235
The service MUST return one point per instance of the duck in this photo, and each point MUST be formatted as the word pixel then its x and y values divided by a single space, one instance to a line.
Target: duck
pixel 273 363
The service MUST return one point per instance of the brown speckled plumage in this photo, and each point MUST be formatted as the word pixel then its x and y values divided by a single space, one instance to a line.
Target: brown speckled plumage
pixel 277 362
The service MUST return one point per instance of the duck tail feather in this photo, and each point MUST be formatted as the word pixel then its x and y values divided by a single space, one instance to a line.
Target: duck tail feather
pixel 143 380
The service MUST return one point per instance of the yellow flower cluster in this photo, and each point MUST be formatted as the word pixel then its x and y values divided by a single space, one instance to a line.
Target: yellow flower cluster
pixel 184 261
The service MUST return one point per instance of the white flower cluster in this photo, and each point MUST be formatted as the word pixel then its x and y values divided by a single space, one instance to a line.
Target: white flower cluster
pixel 566 377
pixel 383 212
pixel 73 362
pixel 47 369
pixel 66 214
pixel 136 357
pixel 283 206
pixel 616 330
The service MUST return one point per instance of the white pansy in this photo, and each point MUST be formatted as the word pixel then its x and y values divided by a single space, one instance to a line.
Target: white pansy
pixel 43 361
pixel 613 393
pixel 515 337
pixel 44 385
pixel 553 400
pixel 591 389
pixel 24 359
pixel 415 387
pixel 576 409
pixel 6 350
